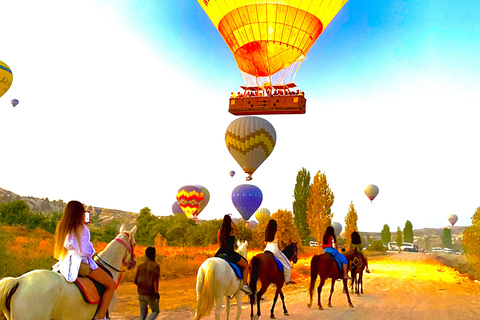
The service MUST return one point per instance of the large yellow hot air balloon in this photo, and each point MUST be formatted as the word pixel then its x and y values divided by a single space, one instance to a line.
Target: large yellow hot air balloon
pixel 267 37
pixel 250 141
pixel 6 78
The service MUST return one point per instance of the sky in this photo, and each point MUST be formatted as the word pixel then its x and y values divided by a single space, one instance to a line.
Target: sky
pixel 124 102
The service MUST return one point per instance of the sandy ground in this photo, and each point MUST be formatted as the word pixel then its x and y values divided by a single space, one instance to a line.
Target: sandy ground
pixel 401 286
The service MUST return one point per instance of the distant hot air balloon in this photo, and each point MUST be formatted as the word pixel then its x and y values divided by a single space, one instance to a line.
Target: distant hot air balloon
pixel 206 198
pixel 14 102
pixel 6 78
pixel 262 215
pixel 189 199
pixel 247 198
pixel 250 141
pixel 232 173
pixel 176 210
pixel 269 39
pixel 452 219
pixel 371 191
pixel 338 228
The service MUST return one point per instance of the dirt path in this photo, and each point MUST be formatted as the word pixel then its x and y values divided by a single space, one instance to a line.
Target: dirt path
pixel 405 286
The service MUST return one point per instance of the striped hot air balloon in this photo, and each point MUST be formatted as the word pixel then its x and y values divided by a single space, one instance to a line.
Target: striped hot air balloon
pixel 250 141
pixel 6 78
pixel 189 199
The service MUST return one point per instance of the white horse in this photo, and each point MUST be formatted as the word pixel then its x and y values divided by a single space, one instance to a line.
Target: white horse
pixel 215 280
pixel 46 295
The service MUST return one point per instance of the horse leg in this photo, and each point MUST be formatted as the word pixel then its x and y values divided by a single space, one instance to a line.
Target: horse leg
pixel 277 292
pixel 218 307
pixel 345 285
pixel 360 281
pixel 331 292
pixel 319 292
pixel 285 312
pixel 227 307
pixel 239 298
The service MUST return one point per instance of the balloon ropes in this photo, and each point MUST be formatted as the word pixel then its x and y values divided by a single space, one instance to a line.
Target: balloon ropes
pixel 250 140
pixel 453 218
pixel 371 191
pixel 247 199
pixel 190 199
pixel 6 78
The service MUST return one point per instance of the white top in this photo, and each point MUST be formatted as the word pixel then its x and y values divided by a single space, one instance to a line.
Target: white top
pixel 84 252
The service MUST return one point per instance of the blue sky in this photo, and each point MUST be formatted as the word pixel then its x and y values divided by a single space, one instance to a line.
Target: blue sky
pixel 124 102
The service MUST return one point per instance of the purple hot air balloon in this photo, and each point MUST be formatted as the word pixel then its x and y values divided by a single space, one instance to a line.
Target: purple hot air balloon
pixel 247 199
pixel 176 210
pixel 14 102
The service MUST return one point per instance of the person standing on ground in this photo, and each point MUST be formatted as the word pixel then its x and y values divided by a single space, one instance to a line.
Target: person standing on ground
pixel 146 279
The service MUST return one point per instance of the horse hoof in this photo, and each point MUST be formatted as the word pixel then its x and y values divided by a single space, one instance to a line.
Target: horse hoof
pixel 286 314
pixel 309 305
pixel 329 305
pixel 320 308
pixel 351 306
pixel 272 317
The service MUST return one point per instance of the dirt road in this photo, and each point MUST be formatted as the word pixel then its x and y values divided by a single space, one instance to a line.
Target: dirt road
pixel 401 286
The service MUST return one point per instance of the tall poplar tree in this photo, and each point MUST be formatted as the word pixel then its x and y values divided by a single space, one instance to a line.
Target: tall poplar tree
pixel 319 215
pixel 408 232
pixel 447 238
pixel 399 238
pixel 471 241
pixel 386 234
pixel 301 194
pixel 350 225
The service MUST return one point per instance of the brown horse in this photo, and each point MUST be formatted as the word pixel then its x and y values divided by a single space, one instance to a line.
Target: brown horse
pixel 356 265
pixel 264 268
pixel 326 267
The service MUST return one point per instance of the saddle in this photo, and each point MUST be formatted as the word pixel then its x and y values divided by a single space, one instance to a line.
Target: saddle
pixel 91 290
pixel 236 269
pixel 279 263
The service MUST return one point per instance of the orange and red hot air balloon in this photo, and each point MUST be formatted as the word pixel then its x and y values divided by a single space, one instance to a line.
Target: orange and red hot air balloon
pixel 189 199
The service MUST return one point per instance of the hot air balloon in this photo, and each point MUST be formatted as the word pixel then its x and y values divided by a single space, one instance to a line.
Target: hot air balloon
pixel 206 198
pixel 262 215
pixel 250 141
pixel 6 78
pixel 232 173
pixel 452 219
pixel 14 102
pixel 338 228
pixel 247 199
pixel 371 191
pixel 189 199
pixel 176 210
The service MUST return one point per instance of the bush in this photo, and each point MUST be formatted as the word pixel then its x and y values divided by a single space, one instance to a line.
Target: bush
pixel 377 245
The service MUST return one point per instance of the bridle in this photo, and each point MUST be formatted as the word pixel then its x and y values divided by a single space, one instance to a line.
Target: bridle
pixel 130 252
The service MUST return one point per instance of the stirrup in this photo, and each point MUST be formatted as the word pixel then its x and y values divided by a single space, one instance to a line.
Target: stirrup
pixel 246 289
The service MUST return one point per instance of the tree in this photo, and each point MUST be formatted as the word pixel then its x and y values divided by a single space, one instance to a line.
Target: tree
pixel 399 238
pixel 386 234
pixel 408 232
pixel 350 225
pixel 319 215
pixel 301 194
pixel 427 244
pixel 471 241
pixel 447 238
pixel 286 230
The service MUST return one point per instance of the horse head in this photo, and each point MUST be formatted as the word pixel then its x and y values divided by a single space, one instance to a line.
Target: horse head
pixel 242 248
pixel 127 239
pixel 291 252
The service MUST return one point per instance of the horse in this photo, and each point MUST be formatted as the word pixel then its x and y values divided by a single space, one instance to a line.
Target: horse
pixel 264 268
pixel 46 295
pixel 357 264
pixel 215 280
pixel 326 267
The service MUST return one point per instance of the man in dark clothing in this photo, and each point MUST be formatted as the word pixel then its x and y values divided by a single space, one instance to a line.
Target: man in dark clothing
pixel 146 279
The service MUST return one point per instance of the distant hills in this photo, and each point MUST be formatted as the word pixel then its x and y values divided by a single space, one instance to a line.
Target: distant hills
pixel 47 206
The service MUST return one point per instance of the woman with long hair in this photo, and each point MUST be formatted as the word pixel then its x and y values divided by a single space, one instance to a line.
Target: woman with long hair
pixel 271 244
pixel 357 244
pixel 75 251
pixel 330 246
pixel 226 240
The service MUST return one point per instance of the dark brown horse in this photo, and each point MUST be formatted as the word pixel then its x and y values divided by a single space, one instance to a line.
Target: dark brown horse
pixel 264 268
pixel 356 265
pixel 326 267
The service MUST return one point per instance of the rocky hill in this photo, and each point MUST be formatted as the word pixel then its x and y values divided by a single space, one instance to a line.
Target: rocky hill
pixel 47 206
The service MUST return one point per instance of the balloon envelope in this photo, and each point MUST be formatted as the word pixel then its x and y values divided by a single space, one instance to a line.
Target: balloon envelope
pixel 232 173
pixel 268 36
pixel 371 191
pixel 6 78
pixel 247 199
pixel 262 215
pixel 338 228
pixel 250 140
pixel 14 102
pixel 206 198
pixel 176 210
pixel 452 219
pixel 189 199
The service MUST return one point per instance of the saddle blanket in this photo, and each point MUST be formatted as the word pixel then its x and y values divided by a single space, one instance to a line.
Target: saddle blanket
pixel 91 291
pixel 279 263
pixel 236 269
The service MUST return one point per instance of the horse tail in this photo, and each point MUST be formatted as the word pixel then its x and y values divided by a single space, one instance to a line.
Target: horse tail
pixel 313 272
pixel 206 298
pixel 8 286
pixel 254 265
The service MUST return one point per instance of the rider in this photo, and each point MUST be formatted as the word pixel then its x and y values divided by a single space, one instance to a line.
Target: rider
pixel 271 244
pixel 330 246
pixel 226 240
pixel 75 253
pixel 357 244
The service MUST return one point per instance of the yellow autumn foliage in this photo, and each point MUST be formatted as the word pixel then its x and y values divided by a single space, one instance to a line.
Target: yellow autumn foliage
pixel 286 230
pixel 471 241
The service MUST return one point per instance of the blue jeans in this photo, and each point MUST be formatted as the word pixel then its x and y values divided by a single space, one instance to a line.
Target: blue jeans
pixel 145 302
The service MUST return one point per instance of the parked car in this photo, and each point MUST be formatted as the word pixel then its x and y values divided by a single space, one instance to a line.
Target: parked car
pixel 447 250
pixel 437 249
pixel 313 244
